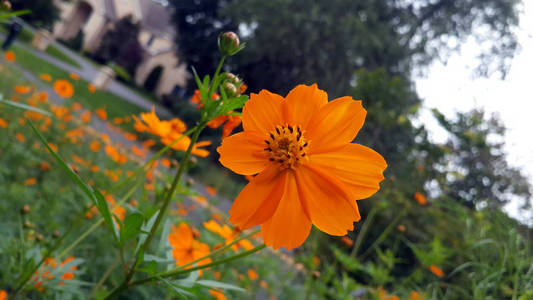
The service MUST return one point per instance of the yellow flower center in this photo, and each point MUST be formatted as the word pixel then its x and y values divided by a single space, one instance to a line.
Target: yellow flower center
pixel 287 146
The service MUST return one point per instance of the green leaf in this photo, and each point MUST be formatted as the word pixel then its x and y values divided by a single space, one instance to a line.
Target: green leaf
pixel 220 285
pixel 232 104
pixel 188 281
pixel 24 106
pixel 151 268
pixel 103 208
pixel 174 287
pixel 132 227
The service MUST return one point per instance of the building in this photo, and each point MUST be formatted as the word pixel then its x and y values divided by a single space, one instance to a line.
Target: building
pixel 95 17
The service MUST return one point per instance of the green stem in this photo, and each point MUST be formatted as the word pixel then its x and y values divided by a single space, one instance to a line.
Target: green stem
pixel 104 277
pixel 219 67
pixel 218 251
pixel 363 231
pixel 215 263
pixel 162 211
pixel 384 234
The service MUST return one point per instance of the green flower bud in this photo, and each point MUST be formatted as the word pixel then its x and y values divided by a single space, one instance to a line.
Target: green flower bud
pixel 228 43
pixel 230 89
pixel 25 209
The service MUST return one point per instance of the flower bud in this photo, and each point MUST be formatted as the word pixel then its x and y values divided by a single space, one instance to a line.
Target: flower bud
pixel 56 234
pixel 5 5
pixel 25 209
pixel 27 224
pixel 230 89
pixel 39 237
pixel 230 77
pixel 228 43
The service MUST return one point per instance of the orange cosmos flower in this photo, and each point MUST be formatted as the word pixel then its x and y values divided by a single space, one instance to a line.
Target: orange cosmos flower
pixel 197 98
pixel 3 295
pixel 421 199
pixel 138 151
pixel 165 162
pixel 91 88
pixel 185 248
pixel 113 153
pixel 95 146
pixel 86 116
pixel 10 56
pixel 45 166
pixel 53 146
pixel 252 274
pixel 347 241
pixel 169 131
pixel 416 296
pixel 45 77
pixel 130 136
pixel 74 76
pixel 309 171
pixel 76 106
pixel 20 137
pixel 101 113
pixel 3 123
pixel 211 191
pixel 401 228
pixel 30 181
pixel 228 234
pixel 383 295
pixel 21 89
pixel 436 270
pixel 217 294
pixel 230 123
pixel 63 88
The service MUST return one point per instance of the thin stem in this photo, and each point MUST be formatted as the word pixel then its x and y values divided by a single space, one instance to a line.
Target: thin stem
pixel 218 251
pixel 215 263
pixel 104 277
pixel 219 67
pixel 164 207
pixel 385 232
pixel 363 231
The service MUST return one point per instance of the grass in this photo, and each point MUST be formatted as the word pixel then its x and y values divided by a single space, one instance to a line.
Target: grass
pixel 56 53
pixel 115 106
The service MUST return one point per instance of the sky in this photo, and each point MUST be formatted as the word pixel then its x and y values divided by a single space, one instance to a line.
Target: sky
pixel 452 88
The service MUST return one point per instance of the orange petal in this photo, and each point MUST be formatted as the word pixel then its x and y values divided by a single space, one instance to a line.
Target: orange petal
pixel 336 124
pixel 289 226
pixel 302 103
pixel 358 167
pixel 243 153
pixel 327 201
pixel 262 113
pixel 259 199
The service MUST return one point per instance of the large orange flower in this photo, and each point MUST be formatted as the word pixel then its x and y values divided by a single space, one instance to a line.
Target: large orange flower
pixel 309 171
pixel 63 88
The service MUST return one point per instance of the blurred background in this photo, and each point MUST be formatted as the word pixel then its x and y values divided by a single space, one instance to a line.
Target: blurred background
pixel 447 86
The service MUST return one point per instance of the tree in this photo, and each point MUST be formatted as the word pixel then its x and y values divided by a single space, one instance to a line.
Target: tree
pixel 478 170
pixel 120 44
pixel 291 41
pixel 198 25
pixel 44 13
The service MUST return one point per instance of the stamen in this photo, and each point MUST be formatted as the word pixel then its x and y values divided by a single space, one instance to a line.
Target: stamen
pixel 286 145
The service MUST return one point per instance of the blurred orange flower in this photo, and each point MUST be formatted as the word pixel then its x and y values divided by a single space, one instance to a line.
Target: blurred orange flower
pixel 91 88
pixel 421 199
pixel 309 171
pixel 347 241
pixel 63 88
pixel 185 248
pixel 113 153
pixel 10 56
pixel 228 234
pixel 95 146
pixel 211 191
pixel 21 89
pixel 74 76
pixel 76 106
pixel 3 295
pixel 436 270
pixel 30 181
pixel 3 123
pixel 101 113
pixel 217 294
pixel 45 166
pixel 169 132
pixel 138 151
pixel 45 77
pixel 252 274
pixel 86 116
pixel 20 137
pixel 415 296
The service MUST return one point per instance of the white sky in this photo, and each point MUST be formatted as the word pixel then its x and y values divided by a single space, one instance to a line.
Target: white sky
pixel 451 88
